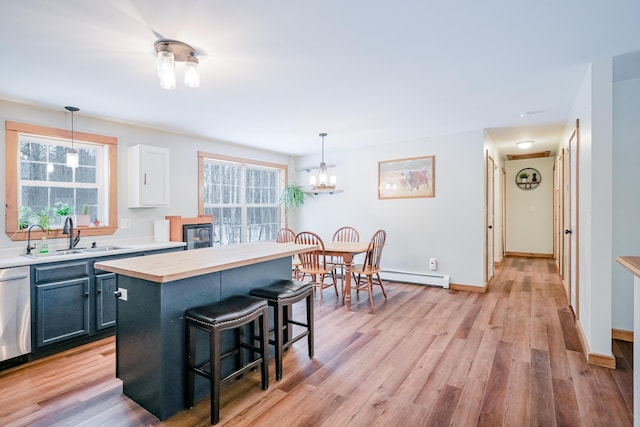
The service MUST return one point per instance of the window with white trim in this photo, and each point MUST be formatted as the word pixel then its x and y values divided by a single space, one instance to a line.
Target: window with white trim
pixel 45 180
pixel 243 199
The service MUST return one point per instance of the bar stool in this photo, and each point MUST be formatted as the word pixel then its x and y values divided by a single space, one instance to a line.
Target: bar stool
pixel 281 296
pixel 231 313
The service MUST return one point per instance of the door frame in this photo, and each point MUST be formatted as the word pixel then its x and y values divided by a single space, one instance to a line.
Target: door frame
pixel 489 210
pixel 571 246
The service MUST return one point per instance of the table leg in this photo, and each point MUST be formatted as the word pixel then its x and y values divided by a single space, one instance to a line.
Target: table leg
pixel 347 279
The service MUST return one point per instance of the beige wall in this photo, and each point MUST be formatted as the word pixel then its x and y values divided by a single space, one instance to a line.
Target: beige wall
pixel 529 216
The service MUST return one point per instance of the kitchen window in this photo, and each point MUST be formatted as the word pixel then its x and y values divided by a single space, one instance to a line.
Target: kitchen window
pixel 242 195
pixel 38 179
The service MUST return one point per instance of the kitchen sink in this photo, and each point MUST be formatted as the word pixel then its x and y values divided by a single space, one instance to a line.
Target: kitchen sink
pixel 104 248
pixel 53 253
pixel 98 249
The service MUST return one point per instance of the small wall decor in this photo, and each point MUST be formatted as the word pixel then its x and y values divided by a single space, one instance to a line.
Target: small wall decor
pixel 407 178
pixel 528 178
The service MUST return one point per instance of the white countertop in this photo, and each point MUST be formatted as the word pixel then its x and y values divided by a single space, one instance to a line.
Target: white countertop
pixel 12 257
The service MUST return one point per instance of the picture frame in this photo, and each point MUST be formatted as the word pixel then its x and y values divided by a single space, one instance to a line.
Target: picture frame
pixel 407 178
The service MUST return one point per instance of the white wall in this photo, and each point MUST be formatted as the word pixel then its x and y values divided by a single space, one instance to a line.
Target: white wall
pixel 626 195
pixel 449 227
pixel 183 163
pixel 529 216
pixel 593 107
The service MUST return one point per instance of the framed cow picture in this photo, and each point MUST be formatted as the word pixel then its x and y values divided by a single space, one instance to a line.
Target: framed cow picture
pixel 407 178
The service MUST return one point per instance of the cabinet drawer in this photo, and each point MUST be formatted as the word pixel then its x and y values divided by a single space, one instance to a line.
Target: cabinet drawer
pixel 60 271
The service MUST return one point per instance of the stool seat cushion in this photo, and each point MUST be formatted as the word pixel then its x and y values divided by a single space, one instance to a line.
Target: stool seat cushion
pixel 282 290
pixel 227 310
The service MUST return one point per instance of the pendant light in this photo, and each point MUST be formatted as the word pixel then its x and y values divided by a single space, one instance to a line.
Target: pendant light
pixel 323 181
pixel 72 154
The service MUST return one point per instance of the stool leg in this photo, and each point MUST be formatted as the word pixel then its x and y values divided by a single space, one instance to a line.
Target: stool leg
pixel 277 337
pixel 191 361
pixel 215 374
pixel 264 348
pixel 310 323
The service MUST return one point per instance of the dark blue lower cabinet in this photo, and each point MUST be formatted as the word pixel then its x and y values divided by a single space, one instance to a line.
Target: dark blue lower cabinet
pixel 62 310
pixel 106 285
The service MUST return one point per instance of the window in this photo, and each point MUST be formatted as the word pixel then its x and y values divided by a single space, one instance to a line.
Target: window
pixel 37 178
pixel 242 195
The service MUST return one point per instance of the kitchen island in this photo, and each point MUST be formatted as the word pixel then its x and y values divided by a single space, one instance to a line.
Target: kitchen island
pixel 632 263
pixel 156 290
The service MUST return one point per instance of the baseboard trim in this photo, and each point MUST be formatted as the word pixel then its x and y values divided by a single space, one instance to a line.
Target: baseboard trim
pixel 594 358
pixel 468 288
pixel 622 335
pixel 528 255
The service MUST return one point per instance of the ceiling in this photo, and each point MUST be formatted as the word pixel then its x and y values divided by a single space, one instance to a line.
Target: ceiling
pixel 274 74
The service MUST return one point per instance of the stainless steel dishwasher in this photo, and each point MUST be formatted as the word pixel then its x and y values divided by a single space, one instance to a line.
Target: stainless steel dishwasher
pixel 15 312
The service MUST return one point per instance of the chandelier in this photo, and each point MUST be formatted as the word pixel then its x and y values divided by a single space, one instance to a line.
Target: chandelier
pixel 323 181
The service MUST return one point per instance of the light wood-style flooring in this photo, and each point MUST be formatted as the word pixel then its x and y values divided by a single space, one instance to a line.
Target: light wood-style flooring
pixel 424 357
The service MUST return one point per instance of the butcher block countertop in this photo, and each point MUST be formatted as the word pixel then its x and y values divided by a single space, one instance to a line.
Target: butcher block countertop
pixel 631 263
pixel 173 266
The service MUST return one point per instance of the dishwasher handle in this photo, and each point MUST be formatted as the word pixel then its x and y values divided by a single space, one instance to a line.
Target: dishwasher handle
pixel 15 277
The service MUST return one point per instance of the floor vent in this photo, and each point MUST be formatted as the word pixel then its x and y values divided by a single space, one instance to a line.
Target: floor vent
pixel 418 278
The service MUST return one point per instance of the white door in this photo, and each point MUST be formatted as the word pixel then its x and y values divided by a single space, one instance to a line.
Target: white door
pixel 570 254
pixel 489 208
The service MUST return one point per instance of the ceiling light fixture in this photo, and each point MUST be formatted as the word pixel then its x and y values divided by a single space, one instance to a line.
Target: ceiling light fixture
pixel 171 51
pixel 323 181
pixel 524 144
pixel 72 154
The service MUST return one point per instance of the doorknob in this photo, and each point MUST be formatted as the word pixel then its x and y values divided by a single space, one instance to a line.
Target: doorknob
pixel 568 231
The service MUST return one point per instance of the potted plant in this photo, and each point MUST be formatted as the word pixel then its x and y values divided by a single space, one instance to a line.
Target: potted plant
pixel 96 221
pixel 62 210
pixel 523 176
pixel 292 197
pixel 44 219
pixel 84 219
pixel 26 215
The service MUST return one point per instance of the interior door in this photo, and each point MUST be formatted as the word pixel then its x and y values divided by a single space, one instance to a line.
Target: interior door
pixel 571 233
pixel 489 208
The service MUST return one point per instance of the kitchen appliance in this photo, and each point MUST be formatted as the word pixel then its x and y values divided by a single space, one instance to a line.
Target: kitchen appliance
pixel 197 235
pixel 15 312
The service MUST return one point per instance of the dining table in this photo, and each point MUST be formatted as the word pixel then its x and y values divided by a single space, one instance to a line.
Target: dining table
pixel 346 250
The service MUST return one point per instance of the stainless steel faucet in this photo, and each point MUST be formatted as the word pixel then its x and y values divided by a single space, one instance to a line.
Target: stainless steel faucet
pixel 68 229
pixel 29 247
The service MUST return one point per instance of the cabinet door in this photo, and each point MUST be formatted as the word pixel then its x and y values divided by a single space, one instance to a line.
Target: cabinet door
pixel 148 176
pixel 155 179
pixel 105 300
pixel 62 311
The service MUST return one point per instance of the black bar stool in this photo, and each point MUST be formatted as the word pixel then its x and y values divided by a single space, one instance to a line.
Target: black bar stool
pixel 281 296
pixel 231 313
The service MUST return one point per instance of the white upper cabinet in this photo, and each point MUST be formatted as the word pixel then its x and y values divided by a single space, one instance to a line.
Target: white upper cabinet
pixel 148 176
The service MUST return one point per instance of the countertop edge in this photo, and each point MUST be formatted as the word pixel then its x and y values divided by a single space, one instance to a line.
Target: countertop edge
pixel 141 269
pixel 631 263
pixel 20 260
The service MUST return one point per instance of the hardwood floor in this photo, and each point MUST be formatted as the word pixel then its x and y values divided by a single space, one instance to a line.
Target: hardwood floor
pixel 426 356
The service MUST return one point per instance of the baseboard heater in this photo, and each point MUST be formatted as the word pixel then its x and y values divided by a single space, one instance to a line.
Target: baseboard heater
pixel 418 278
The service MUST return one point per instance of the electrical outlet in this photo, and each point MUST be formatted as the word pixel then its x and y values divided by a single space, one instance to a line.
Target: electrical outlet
pixel 123 294
pixel 125 223
pixel 433 264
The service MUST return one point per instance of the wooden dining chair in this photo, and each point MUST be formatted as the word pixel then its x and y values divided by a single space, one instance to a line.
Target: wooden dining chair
pixel 371 266
pixel 287 235
pixel 314 263
pixel 344 234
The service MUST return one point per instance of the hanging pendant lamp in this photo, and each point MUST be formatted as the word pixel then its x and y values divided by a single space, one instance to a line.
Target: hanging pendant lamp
pixel 323 181
pixel 72 154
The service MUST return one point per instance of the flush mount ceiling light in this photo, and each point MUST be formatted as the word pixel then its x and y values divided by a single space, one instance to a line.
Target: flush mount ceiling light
pixel 171 51
pixel 323 181
pixel 524 144
pixel 72 154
